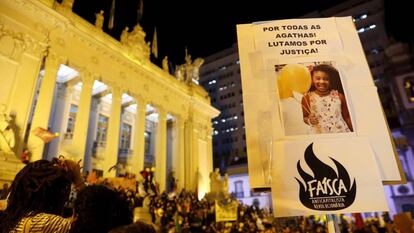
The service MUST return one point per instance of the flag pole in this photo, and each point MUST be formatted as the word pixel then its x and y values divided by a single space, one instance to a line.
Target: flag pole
pixel 154 46
pixel 140 10
pixel 112 16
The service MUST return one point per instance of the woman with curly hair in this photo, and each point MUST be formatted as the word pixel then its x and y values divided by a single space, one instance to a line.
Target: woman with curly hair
pixel 37 197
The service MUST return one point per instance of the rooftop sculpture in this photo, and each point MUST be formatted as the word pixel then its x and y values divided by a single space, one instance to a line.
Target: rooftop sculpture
pixel 135 43
pixel 189 71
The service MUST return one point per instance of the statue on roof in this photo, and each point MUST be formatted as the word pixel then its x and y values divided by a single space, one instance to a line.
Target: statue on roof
pixel 191 69
pixel 68 4
pixel 135 42
pixel 219 187
pixel 99 21
pixel 165 64
pixel 179 72
pixel 124 35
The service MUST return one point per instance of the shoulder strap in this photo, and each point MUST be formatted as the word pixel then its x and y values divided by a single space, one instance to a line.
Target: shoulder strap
pixel 26 225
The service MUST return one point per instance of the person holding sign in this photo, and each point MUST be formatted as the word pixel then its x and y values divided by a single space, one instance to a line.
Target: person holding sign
pixel 324 107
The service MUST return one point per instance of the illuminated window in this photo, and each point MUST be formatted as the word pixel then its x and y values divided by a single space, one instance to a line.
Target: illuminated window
pixel 71 121
pixel 364 29
pixel 359 17
pixel 409 88
pixel 376 50
pixel 212 82
pixel 238 189
pixel 102 129
pixel 125 136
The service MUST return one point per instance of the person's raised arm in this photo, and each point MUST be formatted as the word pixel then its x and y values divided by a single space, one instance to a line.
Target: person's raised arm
pixel 74 172
pixel 305 108
pixel 345 112
pixel 308 117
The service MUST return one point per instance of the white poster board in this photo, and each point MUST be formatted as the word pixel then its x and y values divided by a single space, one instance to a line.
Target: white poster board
pixel 273 57
pixel 319 178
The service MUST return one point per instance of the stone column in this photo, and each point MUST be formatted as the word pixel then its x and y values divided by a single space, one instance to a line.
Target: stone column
pixel 195 153
pixel 139 138
pixel 209 157
pixel 179 159
pixel 188 147
pixel 161 150
pixel 43 106
pixel 191 154
pixel 112 139
pixel 80 132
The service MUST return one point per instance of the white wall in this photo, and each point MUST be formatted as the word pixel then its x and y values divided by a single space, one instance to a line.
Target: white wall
pixel 264 198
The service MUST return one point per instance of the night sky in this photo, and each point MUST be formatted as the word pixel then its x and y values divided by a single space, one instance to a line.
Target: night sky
pixel 205 27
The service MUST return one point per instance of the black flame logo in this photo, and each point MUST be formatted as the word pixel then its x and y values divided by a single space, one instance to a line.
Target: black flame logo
pixel 327 190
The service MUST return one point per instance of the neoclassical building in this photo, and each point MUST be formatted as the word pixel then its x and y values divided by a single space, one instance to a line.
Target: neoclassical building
pixel 108 103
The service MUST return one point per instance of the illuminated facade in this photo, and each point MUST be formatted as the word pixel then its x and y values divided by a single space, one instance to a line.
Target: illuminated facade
pixel 105 98
pixel 220 76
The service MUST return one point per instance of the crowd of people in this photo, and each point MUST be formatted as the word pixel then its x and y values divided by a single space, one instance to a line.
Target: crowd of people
pixel 40 191
pixel 183 212
pixel 51 196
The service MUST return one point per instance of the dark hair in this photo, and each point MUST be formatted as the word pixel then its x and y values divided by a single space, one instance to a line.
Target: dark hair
pixel 332 72
pixel 137 227
pixel 40 187
pixel 99 209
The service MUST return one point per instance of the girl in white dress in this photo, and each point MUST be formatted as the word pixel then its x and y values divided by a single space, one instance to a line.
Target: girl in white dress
pixel 324 106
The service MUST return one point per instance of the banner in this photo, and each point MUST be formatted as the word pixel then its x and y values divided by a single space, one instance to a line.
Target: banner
pixel 313 82
pixel 226 211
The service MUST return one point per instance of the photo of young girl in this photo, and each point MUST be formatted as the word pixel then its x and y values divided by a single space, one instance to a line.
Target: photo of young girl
pixel 324 106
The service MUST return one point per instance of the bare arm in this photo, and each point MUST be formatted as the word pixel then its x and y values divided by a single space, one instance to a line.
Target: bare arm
pixel 305 108
pixel 308 117
pixel 75 173
pixel 345 112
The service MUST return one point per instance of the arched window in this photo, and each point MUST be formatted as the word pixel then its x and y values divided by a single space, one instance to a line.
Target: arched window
pixel 238 188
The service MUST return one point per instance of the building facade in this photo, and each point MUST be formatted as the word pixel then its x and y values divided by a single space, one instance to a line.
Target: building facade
pixel 220 77
pixel 107 101
pixel 391 65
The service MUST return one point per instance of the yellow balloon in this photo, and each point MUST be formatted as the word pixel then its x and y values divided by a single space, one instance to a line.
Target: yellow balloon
pixel 283 87
pixel 293 77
